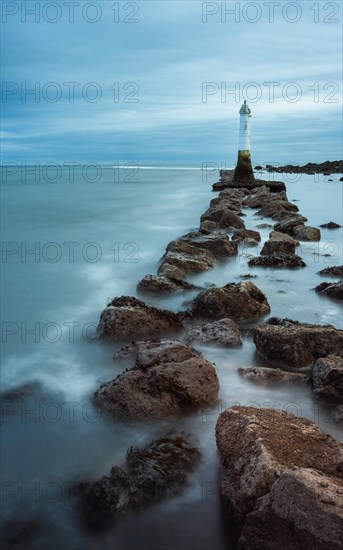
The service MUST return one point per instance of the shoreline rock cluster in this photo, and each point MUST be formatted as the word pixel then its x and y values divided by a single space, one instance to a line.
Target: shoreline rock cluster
pixel 327 168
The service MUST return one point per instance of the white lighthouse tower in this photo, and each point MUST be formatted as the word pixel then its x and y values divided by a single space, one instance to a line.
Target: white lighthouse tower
pixel 244 171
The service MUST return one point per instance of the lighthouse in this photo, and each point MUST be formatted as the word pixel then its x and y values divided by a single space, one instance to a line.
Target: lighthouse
pixel 244 171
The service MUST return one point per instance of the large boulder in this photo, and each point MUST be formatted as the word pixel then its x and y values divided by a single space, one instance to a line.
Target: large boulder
pixel 224 216
pixel 328 377
pixel 334 290
pixel 238 301
pixel 217 243
pixel 221 333
pixel 289 223
pixel 158 470
pixel 306 233
pixel 240 235
pixel 276 246
pixel 166 379
pixel 276 209
pixel 278 236
pixel 299 345
pixel 257 445
pixel 186 258
pixel 304 510
pixel 127 318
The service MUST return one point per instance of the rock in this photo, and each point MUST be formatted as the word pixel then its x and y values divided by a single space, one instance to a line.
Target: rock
pixel 298 345
pixel 222 333
pixel 278 246
pixel 156 471
pixel 278 236
pixel 187 258
pixel 341 179
pixel 151 352
pixel 288 225
pixel 334 290
pixel 304 509
pixel 217 243
pixel 171 272
pixel 127 318
pixel 249 243
pixel 216 214
pixel 338 414
pixel 263 226
pixel 258 168
pixel 238 301
pixel 227 181
pixel 257 445
pixel 334 271
pixel 269 375
pixel 227 203
pixel 277 260
pixel 276 209
pixel 328 377
pixel 258 199
pixel 328 167
pixel 161 383
pixel 240 235
pixel 154 284
pixel 306 233
pixel 330 225
pixel 207 227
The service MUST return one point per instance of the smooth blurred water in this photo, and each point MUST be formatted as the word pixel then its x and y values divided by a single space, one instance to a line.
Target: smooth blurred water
pixel 96 240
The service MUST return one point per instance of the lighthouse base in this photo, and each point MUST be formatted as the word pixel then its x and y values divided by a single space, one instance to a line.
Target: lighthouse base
pixel 244 171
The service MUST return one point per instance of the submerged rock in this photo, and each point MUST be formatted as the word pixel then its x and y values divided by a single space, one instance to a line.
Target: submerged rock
pixel 328 377
pixel 257 445
pixel 334 271
pixel 151 473
pixel 304 510
pixel 238 301
pixel 330 225
pixel 334 290
pixel 277 260
pixel 168 378
pixel 269 375
pixel 298 345
pixel 222 333
pixel 127 318
pixel 158 284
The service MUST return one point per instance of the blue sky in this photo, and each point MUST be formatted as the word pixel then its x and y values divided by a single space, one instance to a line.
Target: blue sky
pixel 162 64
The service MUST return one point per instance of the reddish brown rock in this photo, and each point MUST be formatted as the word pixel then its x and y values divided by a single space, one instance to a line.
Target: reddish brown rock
pixel 160 384
pixel 257 445
pixel 328 377
pixel 127 318
pixel 298 345
pixel 221 333
pixel 238 301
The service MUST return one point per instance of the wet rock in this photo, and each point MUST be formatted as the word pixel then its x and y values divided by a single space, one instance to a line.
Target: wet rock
pixel 249 243
pixel 227 181
pixel 269 375
pixel 222 333
pixel 277 260
pixel 304 509
pixel 221 214
pixel 257 445
pixel 238 301
pixel 298 345
pixel 276 209
pixel 207 227
pixel 338 414
pixel 127 318
pixel 217 243
pixel 161 383
pixel 186 258
pixel 151 473
pixel 334 290
pixel 240 235
pixel 330 225
pixel 263 225
pixel 278 246
pixel 258 198
pixel 288 225
pixel 151 352
pixel 328 377
pixel 306 233
pixel 278 236
pixel 334 271
pixel 227 203
pixel 328 167
pixel 154 284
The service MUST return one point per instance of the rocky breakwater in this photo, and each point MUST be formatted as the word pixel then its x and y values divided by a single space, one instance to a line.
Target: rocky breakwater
pixel 151 473
pixel 227 181
pixel 328 167
pixel 166 377
pixel 283 480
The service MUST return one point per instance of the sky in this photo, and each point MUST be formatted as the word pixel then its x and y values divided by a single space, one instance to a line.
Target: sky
pixel 162 81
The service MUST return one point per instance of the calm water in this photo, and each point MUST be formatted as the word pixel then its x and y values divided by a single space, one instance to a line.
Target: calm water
pixel 68 246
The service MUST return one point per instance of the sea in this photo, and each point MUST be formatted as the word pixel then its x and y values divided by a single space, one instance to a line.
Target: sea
pixel 72 239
